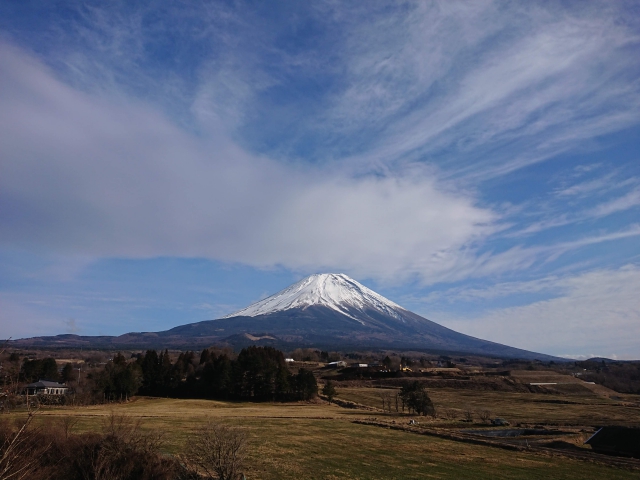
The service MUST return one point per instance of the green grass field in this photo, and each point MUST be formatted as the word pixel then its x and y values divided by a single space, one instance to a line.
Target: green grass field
pixel 319 441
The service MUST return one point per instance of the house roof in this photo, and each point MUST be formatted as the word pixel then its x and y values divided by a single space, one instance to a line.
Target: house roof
pixel 619 439
pixel 46 384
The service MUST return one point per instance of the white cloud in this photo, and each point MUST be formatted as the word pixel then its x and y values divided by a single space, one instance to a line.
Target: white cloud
pixel 88 177
pixel 433 78
pixel 574 211
pixel 597 311
pixel 580 189
pixel 625 202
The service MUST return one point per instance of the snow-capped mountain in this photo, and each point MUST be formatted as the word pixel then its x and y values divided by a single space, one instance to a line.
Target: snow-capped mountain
pixel 329 311
pixel 332 290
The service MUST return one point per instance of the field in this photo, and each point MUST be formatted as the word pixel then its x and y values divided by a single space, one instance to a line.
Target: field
pixel 320 441
pixel 520 407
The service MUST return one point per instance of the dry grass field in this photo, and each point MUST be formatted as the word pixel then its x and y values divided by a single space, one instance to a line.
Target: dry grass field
pixel 320 441
pixel 530 408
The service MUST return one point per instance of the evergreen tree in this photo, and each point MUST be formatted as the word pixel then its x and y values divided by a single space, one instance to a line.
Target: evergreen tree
pixel 386 362
pixel 416 398
pixel 40 369
pixel 306 385
pixel 67 373
pixel 119 379
pixel 329 390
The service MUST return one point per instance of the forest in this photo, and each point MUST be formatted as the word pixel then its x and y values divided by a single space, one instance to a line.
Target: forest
pixel 256 374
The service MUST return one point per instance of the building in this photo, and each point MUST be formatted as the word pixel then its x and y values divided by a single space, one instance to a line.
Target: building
pixel 46 388
pixel 289 360
pixel 622 441
pixel 338 364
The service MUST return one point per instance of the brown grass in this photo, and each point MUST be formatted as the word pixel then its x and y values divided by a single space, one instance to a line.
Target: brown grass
pixel 319 441
pixel 588 410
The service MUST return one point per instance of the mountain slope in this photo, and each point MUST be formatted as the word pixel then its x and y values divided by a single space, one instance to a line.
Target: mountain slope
pixel 324 310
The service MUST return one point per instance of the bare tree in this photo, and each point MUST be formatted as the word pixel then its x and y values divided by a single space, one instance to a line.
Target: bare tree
pixel 219 451
pixel 66 423
pixel 484 415
pixel 388 398
pixel 123 447
pixel 468 415
pixel 19 454
pixel 449 413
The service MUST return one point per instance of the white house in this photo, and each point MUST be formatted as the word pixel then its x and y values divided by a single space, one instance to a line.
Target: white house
pixel 47 388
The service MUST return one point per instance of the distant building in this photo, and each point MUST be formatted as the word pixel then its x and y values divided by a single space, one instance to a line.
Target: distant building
pixel 289 360
pixel 363 365
pixel 622 441
pixel 47 388
pixel 338 364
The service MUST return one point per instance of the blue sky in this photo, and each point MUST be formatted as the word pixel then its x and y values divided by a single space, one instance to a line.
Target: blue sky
pixel 476 162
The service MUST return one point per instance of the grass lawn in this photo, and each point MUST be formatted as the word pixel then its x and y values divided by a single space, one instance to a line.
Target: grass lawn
pixel 319 441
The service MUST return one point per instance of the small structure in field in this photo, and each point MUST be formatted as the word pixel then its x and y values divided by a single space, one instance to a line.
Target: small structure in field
pixel 621 441
pixel 46 388
pixel 501 422
pixel 338 364
pixel 289 360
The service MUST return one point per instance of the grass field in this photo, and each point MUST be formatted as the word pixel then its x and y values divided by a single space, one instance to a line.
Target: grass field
pixel 519 407
pixel 319 441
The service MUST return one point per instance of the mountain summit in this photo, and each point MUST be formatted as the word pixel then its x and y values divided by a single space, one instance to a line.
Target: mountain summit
pixel 329 311
pixel 332 290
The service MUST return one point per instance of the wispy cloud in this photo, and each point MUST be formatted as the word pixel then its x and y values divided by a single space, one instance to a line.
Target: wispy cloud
pixel 596 311
pixel 630 200
pixel 583 201
pixel 562 78
pixel 580 189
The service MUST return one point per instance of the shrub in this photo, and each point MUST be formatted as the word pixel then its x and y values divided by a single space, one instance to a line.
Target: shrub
pixel 217 450
pixel 122 451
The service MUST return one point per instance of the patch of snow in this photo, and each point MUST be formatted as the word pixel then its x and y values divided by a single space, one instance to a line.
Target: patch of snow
pixel 333 290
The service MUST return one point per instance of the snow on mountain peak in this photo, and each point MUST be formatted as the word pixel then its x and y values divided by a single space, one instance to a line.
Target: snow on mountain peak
pixel 333 290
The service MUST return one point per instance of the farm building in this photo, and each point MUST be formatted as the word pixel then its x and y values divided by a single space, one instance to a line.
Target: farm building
pixel 47 388
pixel 338 364
pixel 623 441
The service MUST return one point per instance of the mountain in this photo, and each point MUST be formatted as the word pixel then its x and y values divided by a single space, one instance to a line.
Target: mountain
pixel 327 311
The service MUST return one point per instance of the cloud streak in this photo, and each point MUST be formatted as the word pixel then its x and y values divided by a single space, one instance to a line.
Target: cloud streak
pixel 562 78
pixel 88 177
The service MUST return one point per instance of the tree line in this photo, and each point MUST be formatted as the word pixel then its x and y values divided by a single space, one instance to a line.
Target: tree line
pixel 257 374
